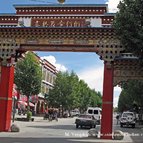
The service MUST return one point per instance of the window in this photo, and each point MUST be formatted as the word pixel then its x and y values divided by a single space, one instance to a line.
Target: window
pixel 95 111
pixel 90 111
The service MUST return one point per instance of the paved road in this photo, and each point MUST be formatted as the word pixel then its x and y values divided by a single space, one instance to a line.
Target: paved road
pixel 63 131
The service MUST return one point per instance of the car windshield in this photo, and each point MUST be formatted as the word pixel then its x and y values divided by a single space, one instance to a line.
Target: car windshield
pixel 127 114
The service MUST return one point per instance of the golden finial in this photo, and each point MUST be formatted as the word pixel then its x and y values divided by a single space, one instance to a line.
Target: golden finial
pixel 61 1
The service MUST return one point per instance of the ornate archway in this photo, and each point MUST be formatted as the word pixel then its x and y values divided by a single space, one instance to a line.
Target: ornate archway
pixel 75 28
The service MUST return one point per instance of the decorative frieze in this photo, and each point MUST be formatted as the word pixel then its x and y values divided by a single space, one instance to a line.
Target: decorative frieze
pixel 8 47
pixel 100 40
pixel 109 48
pixel 127 67
pixel 61 9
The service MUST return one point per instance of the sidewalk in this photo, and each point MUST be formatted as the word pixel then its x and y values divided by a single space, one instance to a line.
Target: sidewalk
pixel 139 126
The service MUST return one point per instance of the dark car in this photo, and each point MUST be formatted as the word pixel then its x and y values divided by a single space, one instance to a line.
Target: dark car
pixel 85 120
pixel 128 119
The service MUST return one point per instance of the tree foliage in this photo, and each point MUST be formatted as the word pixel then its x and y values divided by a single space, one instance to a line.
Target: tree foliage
pixel 131 95
pixel 70 92
pixel 129 25
pixel 28 75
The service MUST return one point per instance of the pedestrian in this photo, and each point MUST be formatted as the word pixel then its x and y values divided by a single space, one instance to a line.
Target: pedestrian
pixel 117 117
pixel 50 114
pixel 55 114
pixel 46 116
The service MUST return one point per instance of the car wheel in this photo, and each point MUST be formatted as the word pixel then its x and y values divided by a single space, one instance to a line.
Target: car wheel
pixel 133 126
pixel 121 125
pixel 76 126
pixel 81 126
pixel 90 126
pixel 98 122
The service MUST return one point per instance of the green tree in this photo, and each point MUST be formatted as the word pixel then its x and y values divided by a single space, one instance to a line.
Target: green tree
pixel 131 95
pixel 73 99
pixel 58 95
pixel 83 93
pixel 28 76
pixel 129 25
pixel 95 99
pixel 70 92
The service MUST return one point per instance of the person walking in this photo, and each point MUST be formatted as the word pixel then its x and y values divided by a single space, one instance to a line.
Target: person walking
pixel 55 114
pixel 117 118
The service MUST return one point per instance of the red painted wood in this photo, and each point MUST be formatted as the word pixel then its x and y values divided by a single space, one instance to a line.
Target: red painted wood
pixel 6 87
pixel 107 105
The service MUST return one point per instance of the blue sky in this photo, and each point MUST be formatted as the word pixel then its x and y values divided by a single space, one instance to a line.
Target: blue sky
pixel 88 66
pixel 6 5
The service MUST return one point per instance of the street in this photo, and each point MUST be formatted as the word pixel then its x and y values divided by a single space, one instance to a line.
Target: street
pixel 63 131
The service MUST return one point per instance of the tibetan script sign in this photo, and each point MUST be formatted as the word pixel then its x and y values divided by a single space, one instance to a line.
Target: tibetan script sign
pixel 59 22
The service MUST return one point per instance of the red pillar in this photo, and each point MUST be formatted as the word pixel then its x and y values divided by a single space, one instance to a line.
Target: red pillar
pixel 107 103
pixel 6 87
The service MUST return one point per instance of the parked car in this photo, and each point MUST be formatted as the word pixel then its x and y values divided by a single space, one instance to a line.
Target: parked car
pixel 85 120
pixel 74 113
pixel 128 119
pixel 96 112
pixel 65 114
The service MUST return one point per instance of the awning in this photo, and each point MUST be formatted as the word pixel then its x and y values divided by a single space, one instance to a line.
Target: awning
pixel 25 103
pixel 31 104
pixel 22 103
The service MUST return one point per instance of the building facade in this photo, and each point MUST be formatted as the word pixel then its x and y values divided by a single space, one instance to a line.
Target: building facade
pixel 38 102
pixel 49 73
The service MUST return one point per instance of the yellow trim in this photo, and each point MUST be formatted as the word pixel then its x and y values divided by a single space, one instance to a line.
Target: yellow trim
pixel 5 98
pixel 107 102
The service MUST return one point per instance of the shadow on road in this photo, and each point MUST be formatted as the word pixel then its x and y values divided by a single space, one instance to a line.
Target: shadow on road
pixel 60 127
pixel 46 140
pixel 136 134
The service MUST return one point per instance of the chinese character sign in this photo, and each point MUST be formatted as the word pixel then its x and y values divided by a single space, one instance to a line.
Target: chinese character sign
pixel 59 22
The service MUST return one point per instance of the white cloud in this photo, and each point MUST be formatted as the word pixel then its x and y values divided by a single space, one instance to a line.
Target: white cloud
pixel 117 91
pixel 94 78
pixel 115 102
pixel 112 4
pixel 53 61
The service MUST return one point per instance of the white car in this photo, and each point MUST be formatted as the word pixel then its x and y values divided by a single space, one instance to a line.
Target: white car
pixel 74 113
pixel 96 112
pixel 128 119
